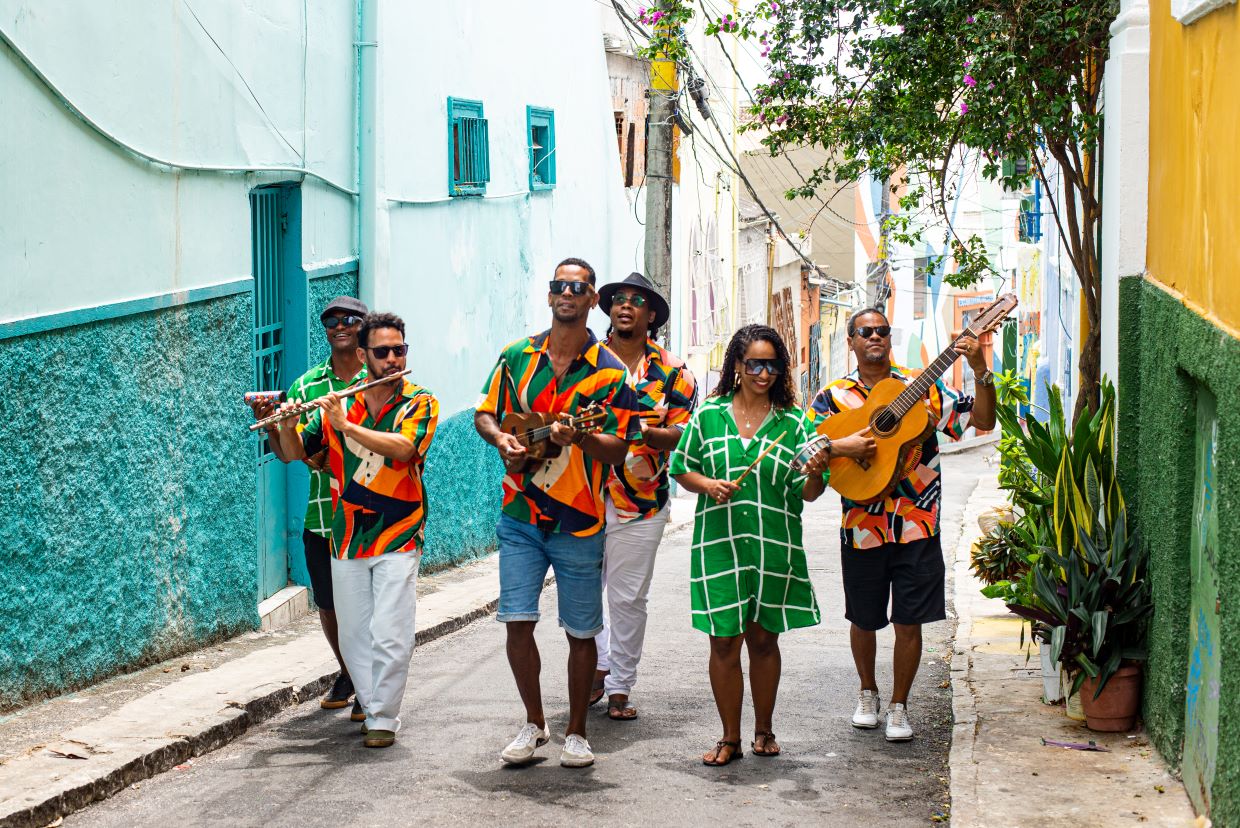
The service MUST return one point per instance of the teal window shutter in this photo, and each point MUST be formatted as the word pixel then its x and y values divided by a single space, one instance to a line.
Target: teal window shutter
pixel 540 131
pixel 469 150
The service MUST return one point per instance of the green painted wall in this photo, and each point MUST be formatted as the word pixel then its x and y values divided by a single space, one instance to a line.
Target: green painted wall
pixel 129 507
pixel 1166 353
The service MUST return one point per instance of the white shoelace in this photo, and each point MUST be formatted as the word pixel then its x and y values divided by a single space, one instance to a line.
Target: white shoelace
pixel 868 703
pixel 576 744
pixel 528 735
pixel 897 717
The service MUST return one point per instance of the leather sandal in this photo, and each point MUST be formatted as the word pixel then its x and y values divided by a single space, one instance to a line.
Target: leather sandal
pixel 736 754
pixel 770 737
pixel 620 711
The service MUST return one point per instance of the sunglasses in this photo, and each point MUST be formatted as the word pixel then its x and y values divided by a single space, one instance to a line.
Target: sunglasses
pixel 382 351
pixel 575 288
pixel 754 367
pixel 635 299
pixel 867 331
pixel 330 322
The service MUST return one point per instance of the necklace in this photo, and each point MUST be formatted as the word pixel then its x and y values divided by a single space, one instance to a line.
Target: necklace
pixel 747 416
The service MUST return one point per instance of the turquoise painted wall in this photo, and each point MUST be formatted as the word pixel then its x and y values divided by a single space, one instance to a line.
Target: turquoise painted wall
pixel 463 476
pixel 129 508
pixel 1167 352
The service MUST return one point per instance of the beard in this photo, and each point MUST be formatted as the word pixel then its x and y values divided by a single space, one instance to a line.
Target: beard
pixel 631 333
pixel 566 316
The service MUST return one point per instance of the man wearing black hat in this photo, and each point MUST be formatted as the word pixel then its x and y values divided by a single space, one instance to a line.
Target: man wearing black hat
pixel 341 319
pixel 637 490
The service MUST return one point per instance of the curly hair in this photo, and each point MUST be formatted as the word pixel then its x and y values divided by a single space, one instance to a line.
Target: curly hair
pixel 573 261
pixel 783 392
pixel 374 321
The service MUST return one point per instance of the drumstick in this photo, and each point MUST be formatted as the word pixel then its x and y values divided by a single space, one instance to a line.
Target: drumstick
pixel 754 464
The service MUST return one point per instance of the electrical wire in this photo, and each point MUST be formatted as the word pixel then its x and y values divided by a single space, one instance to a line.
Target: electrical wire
pixel 147 157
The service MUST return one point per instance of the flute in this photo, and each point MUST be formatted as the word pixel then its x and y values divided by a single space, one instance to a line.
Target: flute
pixel 298 410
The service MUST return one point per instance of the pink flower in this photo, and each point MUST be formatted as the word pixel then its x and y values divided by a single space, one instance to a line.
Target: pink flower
pixel 780 120
pixel 969 81
pixel 967 64
pixel 964 108
pixel 656 17
pixel 969 19
pixel 787 75
pixel 766 51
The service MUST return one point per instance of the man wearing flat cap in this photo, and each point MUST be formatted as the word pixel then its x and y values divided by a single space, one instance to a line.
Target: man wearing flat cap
pixel 341 319
pixel 637 490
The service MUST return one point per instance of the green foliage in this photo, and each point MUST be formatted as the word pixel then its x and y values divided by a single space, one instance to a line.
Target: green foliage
pixel 1089 580
pixel 912 91
pixel 999 555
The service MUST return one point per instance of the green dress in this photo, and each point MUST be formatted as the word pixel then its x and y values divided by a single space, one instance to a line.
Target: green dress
pixel 748 563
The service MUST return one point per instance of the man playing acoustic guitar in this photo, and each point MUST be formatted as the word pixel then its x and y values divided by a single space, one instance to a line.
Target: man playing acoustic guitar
pixel 890 550
pixel 553 512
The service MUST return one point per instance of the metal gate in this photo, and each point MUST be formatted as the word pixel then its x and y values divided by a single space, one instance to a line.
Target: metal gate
pixel 268 223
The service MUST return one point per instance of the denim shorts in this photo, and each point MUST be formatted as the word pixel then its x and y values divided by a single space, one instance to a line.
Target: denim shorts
pixel 525 553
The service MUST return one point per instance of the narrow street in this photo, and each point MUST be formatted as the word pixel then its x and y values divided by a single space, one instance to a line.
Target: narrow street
pixel 307 767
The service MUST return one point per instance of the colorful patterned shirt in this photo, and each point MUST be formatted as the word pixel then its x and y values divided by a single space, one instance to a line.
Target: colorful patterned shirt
pixel 380 505
pixel 319 381
pixel 911 511
pixel 564 494
pixel 665 388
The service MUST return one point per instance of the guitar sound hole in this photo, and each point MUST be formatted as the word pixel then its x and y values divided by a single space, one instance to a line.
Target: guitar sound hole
pixel 884 422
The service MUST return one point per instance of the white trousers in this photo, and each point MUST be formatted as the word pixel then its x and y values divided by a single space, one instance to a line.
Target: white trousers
pixel 376 599
pixel 628 566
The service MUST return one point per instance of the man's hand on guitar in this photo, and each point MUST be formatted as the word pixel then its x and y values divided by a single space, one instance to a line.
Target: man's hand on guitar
pixel 510 449
pixel 970 347
pixel 563 434
pixel 721 491
pixel 859 446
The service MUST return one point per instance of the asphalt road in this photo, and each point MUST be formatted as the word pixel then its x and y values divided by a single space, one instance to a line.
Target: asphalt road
pixel 307 767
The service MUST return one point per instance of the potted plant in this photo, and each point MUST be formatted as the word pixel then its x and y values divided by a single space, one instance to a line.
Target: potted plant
pixel 1091 579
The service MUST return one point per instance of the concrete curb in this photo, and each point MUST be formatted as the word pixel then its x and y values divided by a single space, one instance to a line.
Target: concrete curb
pixel 961 763
pixel 171 726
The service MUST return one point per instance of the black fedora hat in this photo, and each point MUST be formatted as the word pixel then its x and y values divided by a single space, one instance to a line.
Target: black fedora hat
pixel 658 305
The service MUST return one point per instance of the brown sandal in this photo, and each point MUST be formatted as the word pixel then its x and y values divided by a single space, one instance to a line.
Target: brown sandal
pixel 597 692
pixel 736 754
pixel 768 737
pixel 621 711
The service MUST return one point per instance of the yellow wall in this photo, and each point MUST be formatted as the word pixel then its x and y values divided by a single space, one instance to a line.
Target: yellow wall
pixel 1194 197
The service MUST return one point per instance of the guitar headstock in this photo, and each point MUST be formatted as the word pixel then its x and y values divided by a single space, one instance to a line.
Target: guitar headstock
pixel 590 419
pixel 994 314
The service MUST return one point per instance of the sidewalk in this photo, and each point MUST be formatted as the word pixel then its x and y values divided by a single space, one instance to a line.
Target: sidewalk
pixel 1001 774
pixel 59 756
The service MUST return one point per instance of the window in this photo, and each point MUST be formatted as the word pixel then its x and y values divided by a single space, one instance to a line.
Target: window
pixel 921 286
pixel 469 164
pixel 540 126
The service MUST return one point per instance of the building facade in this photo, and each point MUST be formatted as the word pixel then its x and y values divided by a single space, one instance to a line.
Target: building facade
pixel 1170 258
pixel 179 216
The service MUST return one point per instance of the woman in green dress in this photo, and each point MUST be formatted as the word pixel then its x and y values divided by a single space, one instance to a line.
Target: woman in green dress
pixel 749 579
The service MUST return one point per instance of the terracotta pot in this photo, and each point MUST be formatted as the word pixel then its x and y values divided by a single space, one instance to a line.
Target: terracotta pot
pixel 1115 710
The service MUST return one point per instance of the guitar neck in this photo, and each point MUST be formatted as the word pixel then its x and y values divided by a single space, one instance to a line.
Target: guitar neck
pixel 917 389
pixel 534 435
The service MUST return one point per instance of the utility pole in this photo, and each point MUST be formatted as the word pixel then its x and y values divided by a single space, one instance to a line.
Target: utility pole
pixel 659 149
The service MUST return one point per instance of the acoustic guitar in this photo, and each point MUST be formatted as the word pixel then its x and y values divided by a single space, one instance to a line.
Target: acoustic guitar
pixel 896 416
pixel 533 430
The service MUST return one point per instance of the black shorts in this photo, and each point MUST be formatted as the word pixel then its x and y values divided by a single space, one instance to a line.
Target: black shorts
pixel 908 575
pixel 319 564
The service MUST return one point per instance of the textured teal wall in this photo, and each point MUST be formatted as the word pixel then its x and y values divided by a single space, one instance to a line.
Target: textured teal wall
pixel 463 477
pixel 322 291
pixel 1166 352
pixel 129 505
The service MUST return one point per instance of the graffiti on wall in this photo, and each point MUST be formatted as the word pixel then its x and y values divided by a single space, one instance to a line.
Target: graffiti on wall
pixel 784 320
pixel 1201 706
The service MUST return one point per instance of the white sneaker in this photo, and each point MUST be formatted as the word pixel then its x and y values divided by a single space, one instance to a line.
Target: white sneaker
pixel 866 715
pixel 521 749
pixel 898 728
pixel 576 753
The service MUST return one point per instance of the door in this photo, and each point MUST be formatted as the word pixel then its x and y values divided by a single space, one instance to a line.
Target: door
pixel 1202 696
pixel 268 225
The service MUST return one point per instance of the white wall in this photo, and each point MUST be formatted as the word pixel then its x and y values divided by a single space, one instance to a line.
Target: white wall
pixel 84 223
pixel 470 274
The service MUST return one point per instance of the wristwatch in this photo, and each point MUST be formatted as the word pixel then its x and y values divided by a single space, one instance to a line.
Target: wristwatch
pixel 987 379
